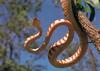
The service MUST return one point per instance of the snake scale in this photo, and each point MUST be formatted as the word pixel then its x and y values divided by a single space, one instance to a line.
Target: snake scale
pixel 60 45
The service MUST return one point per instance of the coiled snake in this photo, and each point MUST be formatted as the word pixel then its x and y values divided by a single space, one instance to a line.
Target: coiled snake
pixel 61 44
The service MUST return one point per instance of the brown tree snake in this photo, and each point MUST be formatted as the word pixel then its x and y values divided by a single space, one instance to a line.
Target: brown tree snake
pixel 60 45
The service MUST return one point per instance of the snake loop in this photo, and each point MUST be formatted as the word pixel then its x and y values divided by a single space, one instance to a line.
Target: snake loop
pixel 67 8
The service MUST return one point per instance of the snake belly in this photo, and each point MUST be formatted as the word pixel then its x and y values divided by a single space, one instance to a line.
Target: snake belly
pixel 54 52
pixel 68 36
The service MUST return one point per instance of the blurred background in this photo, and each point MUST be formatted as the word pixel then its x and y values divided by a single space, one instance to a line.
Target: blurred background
pixel 16 25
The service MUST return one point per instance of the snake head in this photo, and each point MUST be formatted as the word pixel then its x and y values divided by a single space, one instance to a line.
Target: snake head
pixel 36 22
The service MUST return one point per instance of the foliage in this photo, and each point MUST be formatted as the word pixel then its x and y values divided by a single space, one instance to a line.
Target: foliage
pixel 94 3
pixel 18 21
pixel 2 52
pixel 11 66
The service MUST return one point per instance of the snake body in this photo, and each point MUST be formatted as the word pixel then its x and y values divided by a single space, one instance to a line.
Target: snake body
pixel 61 44
pixel 67 8
pixel 68 37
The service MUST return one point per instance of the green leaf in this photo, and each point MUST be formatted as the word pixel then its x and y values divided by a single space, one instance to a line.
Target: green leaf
pixel 1 34
pixel 94 3
pixel 11 26
pixel 2 52
pixel 87 9
pixel 79 1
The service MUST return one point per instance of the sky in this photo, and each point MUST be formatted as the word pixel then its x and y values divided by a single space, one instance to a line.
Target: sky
pixel 5 15
pixel 48 15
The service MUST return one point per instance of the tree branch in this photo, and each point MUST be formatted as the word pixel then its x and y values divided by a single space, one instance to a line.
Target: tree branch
pixel 86 25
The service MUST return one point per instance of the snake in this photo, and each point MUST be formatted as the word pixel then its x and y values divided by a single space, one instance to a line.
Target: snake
pixel 36 23
pixel 59 46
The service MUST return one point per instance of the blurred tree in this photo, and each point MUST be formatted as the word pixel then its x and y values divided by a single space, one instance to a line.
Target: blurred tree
pixel 9 65
pixel 14 28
